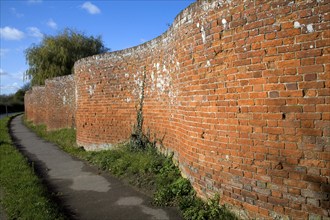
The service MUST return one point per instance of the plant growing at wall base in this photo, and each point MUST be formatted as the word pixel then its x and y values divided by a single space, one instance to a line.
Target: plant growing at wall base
pixel 147 169
pixel 138 140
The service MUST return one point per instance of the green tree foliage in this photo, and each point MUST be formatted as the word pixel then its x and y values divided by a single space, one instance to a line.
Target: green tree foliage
pixel 56 55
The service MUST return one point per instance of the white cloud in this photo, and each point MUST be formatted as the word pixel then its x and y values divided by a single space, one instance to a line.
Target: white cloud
pixel 91 8
pixel 9 88
pixel 34 32
pixel 3 51
pixel 52 24
pixel 16 13
pixel 3 73
pixel 9 33
pixel 19 75
pixel 11 82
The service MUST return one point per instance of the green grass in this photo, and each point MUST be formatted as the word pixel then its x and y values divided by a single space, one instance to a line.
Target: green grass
pixel 146 169
pixel 24 195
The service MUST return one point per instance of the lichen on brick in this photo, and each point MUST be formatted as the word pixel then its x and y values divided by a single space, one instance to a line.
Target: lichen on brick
pixel 237 90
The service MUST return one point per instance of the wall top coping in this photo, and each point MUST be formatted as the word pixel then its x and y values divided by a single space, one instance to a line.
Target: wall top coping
pixel 185 16
pixel 59 79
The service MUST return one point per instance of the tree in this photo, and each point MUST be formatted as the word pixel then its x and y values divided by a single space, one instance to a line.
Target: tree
pixel 56 55
pixel 18 97
pixel 13 102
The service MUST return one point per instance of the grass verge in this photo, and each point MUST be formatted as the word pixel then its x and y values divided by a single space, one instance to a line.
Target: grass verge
pixel 146 169
pixel 24 197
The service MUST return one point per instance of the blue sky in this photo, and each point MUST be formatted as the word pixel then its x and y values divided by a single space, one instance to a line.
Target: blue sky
pixel 121 24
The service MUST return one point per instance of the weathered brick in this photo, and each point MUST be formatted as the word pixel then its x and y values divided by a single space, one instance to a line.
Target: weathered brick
pixel 291 86
pixel 242 103
pixel 288 63
pixel 310 69
pixel 307 37
pixel 309 53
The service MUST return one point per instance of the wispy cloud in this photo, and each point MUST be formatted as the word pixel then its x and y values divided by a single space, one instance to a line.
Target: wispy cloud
pixel 9 33
pixel 14 76
pixel 52 24
pixel 142 40
pixel 18 76
pixel 11 82
pixel 3 51
pixel 91 8
pixel 3 73
pixel 34 1
pixel 16 13
pixel 34 32
pixel 9 88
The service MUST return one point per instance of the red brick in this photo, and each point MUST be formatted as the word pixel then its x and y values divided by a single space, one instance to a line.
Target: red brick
pixel 310 77
pixel 322 108
pixel 278 201
pixel 288 33
pixel 287 109
pixel 271 43
pixel 295 191
pixel 311 85
pixel 291 93
pixel 308 61
pixel 273 94
pixel 309 53
pixel 287 79
pixel 323 59
pixel 288 63
pixel 242 62
pixel 309 132
pixel 253 25
pixel 291 86
pixel 322 43
pixel 307 37
pixel 310 69
pixel 270 130
pixel 233 101
pixel 324 92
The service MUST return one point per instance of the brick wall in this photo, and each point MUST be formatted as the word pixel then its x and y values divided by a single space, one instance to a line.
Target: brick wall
pixel 52 104
pixel 28 109
pixel 60 94
pixel 39 107
pixel 238 90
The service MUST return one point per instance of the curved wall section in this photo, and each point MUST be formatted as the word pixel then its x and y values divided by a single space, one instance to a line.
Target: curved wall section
pixel 238 90
pixel 39 105
pixel 60 93
pixel 53 104
pixel 28 109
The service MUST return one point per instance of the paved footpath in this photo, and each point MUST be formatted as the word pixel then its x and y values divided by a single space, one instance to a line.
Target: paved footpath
pixel 81 189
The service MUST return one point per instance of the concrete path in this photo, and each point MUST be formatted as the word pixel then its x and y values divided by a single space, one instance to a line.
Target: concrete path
pixel 81 189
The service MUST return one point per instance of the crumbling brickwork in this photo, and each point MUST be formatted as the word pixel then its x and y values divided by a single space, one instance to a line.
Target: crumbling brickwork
pixel 238 90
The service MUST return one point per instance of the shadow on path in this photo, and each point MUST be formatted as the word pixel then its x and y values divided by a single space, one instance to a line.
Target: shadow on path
pixel 80 190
